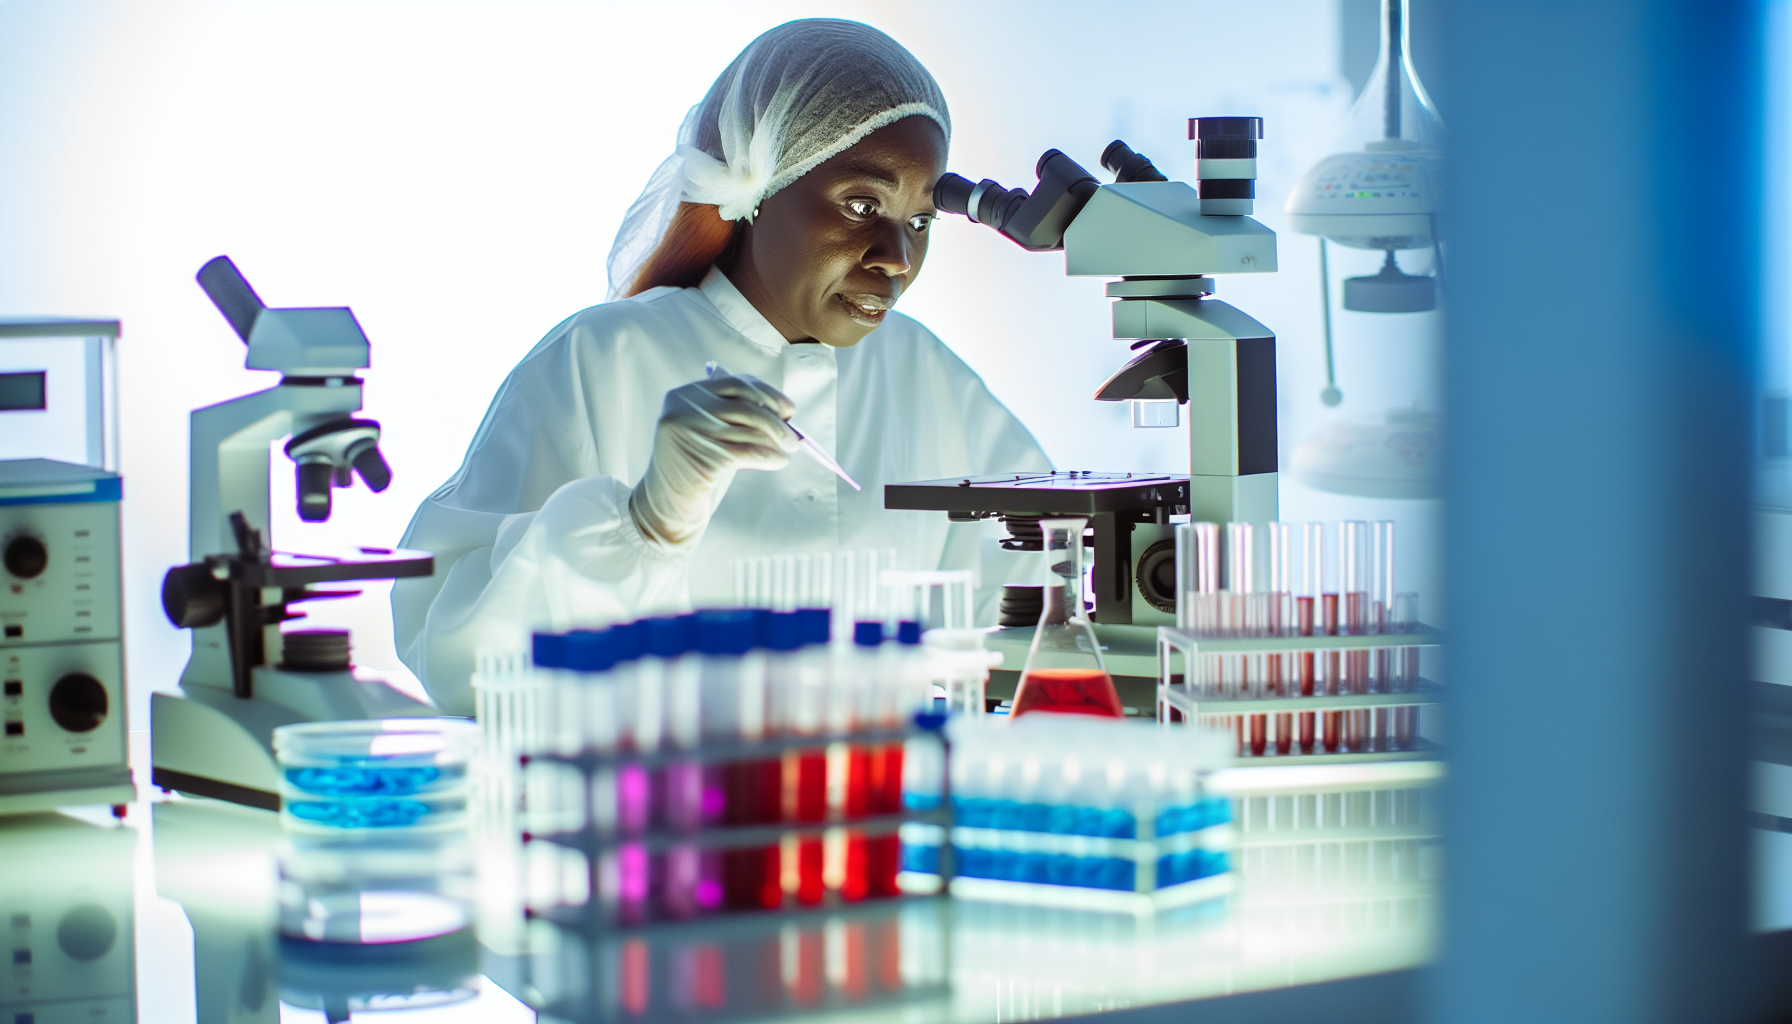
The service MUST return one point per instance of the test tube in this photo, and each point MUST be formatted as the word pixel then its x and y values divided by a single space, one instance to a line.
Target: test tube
pixel 901 665
pixel 1185 576
pixel 1406 719
pixel 1241 681
pixel 1198 565
pixel 1382 605
pixel 671 643
pixel 1358 579
pixel 1241 578
pixel 1312 558
pixel 866 668
pixel 1332 728
pixel 806 785
pixel 1203 577
pixel 1281 578
pixel 735 793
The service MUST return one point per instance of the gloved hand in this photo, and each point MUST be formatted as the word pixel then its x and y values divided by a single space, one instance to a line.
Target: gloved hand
pixel 707 430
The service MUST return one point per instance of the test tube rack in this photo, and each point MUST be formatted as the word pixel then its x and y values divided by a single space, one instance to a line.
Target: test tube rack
pixel 1043 855
pixel 581 819
pixel 1180 702
pixel 1077 813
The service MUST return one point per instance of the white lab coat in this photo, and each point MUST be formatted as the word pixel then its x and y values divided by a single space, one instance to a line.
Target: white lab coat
pixel 534 530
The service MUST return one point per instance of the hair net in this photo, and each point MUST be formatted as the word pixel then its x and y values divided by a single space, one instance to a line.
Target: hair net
pixel 796 96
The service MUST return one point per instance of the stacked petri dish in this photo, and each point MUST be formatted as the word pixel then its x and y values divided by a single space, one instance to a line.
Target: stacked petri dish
pixel 375 814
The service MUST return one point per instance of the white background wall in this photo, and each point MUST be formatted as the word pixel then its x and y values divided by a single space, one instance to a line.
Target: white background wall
pixel 455 170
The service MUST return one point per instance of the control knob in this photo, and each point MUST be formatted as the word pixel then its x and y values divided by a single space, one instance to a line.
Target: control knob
pixel 26 557
pixel 78 702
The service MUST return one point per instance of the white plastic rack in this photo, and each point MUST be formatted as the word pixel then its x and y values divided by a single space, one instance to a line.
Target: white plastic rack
pixel 1179 700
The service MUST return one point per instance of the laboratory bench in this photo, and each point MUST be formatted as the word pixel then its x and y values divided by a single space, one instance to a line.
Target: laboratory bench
pixel 168 916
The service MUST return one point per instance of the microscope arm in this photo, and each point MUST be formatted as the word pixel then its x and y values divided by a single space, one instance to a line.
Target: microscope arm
pixel 230 454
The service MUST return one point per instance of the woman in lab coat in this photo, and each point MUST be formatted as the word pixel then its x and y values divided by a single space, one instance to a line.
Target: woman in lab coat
pixel 605 483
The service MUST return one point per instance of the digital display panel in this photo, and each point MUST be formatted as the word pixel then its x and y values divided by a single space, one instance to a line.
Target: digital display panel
pixel 21 391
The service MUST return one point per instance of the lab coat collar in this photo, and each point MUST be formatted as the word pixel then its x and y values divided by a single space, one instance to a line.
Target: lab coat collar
pixel 740 314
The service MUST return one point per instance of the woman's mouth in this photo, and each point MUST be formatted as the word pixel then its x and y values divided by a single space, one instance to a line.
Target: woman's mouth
pixel 865 309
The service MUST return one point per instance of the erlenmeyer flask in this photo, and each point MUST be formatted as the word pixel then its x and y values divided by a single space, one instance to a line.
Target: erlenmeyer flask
pixel 1064 670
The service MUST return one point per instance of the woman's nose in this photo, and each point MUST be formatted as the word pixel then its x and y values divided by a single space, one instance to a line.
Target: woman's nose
pixel 891 253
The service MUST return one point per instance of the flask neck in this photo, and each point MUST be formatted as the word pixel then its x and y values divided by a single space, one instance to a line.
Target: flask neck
pixel 1069 560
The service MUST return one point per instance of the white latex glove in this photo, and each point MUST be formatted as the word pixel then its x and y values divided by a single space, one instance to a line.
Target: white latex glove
pixel 707 431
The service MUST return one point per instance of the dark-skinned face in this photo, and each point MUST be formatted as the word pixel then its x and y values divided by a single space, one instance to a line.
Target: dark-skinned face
pixel 830 253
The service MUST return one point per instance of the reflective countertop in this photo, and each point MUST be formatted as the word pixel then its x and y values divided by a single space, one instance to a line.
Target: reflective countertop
pixel 168 917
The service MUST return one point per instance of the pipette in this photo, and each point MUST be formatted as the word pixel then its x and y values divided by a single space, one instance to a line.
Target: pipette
pixel 816 451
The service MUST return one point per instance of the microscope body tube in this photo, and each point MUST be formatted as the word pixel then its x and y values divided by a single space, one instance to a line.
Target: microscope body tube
pixel 1165 240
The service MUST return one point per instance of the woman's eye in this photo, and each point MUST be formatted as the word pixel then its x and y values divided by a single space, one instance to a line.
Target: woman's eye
pixel 861 207
pixel 920 221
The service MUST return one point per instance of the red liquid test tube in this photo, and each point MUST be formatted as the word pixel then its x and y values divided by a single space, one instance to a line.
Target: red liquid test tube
pixel 1334 681
pixel 810 806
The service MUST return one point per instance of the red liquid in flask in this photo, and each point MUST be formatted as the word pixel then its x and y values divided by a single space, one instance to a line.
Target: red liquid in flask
pixel 1072 691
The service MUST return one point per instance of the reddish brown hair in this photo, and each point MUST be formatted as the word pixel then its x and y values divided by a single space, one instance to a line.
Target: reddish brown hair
pixel 696 239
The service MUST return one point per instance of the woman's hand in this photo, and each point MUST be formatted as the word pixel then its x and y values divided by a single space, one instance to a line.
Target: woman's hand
pixel 707 430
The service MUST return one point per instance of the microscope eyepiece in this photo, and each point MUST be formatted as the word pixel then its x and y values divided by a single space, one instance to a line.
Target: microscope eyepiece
pixel 952 194
pixel 1035 222
pixel 985 202
pixel 1128 166
pixel 230 292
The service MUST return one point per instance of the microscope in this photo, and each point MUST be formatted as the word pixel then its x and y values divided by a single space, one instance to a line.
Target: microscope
pixel 1164 241
pixel 214 736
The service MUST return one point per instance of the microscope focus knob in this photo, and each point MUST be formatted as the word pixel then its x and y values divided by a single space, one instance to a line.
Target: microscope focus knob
pixel 26 557
pixel 78 702
pixel 192 597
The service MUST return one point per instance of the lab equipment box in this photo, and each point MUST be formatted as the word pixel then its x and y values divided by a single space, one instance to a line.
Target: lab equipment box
pixel 58 390
pixel 61 638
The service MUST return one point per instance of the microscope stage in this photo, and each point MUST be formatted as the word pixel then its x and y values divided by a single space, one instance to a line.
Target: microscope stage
pixel 1065 492
pixel 288 569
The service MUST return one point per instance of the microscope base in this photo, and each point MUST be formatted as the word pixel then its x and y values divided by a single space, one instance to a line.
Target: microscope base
pixel 206 741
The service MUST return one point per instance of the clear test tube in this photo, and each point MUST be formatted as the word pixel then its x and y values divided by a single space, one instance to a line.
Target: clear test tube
pixel 1281 580
pixel 1306 620
pixel 1240 581
pixel 1204 578
pixel 1381 605
pixel 1198 564
pixel 1185 576
pixel 1358 580
pixel 1247 610
pixel 1406 678
pixel 1241 577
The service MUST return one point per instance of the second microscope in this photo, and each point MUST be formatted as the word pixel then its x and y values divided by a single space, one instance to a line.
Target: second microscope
pixel 214 735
